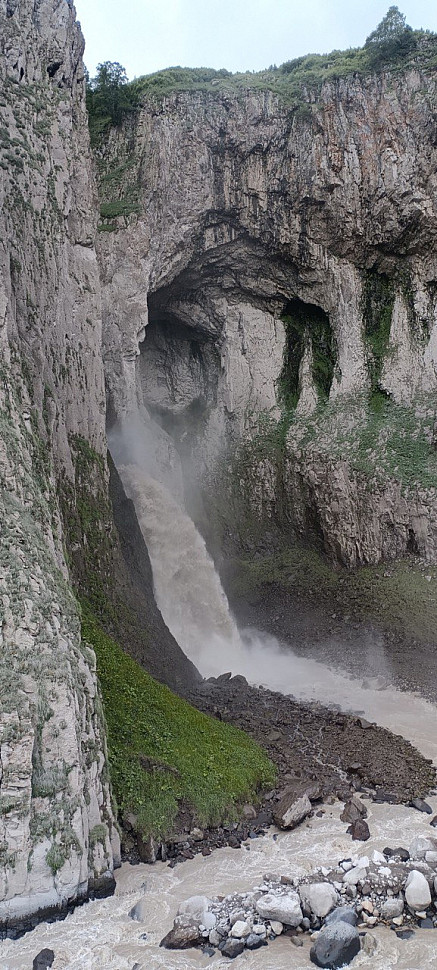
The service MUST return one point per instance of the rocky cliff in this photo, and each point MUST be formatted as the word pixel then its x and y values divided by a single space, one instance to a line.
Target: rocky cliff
pixel 269 297
pixel 252 251
pixel 58 839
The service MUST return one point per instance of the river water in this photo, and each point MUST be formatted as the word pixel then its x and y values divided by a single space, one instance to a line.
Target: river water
pixel 100 935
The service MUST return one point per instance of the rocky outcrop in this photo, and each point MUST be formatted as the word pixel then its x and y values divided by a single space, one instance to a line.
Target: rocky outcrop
pixel 58 839
pixel 273 252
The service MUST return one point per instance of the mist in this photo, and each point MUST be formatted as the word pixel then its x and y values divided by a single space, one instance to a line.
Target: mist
pixel 194 606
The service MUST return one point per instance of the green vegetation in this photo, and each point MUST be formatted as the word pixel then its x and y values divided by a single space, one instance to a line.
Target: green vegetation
pixel 379 438
pixel 109 99
pixel 392 40
pixel 377 308
pixel 392 46
pixel 120 207
pixel 306 324
pixel 88 528
pixel 163 753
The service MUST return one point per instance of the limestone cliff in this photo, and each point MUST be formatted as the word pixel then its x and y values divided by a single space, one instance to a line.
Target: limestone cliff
pixel 58 839
pixel 250 251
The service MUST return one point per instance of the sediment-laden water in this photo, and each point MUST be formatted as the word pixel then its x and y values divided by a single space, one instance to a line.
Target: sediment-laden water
pixel 100 935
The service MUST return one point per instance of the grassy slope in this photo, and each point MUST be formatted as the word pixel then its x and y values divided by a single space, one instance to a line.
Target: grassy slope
pixel 207 766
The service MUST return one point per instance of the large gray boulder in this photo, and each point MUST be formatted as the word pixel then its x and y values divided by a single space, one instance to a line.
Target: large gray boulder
pixel 319 898
pixel 140 910
pixel 290 811
pixel 286 909
pixel 345 913
pixel 44 960
pixel 195 906
pixel 392 908
pixel 336 946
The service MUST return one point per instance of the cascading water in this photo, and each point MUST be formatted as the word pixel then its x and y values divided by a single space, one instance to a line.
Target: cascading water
pixel 194 606
pixel 187 587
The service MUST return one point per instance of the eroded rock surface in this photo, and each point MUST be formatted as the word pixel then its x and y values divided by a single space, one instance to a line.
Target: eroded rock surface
pixel 252 218
pixel 58 840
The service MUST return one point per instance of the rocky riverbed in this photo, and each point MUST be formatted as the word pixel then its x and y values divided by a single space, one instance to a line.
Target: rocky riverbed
pixel 337 906
pixel 103 934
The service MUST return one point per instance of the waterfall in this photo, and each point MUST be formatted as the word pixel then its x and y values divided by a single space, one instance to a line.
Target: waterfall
pixel 188 590
pixel 194 607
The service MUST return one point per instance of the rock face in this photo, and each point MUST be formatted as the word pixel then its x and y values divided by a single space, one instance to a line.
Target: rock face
pixel 250 219
pixel 58 840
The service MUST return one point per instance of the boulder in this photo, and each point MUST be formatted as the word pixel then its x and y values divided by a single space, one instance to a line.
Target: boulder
pixel 399 853
pixel 254 941
pixel 285 909
pixel 353 810
pixel 185 933
pixel 359 830
pixel 354 876
pixel 421 806
pixel 240 929
pixel 392 908
pixel 195 906
pixel 231 948
pixel 417 891
pixel 139 911
pixel 319 898
pixel 345 913
pixel 147 849
pixel 44 960
pixel 336 945
pixel 291 810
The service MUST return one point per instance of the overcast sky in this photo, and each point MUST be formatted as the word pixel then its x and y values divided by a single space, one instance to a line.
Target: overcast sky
pixel 241 35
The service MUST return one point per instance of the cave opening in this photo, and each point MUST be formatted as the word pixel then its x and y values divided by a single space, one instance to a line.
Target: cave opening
pixel 307 328
pixel 178 371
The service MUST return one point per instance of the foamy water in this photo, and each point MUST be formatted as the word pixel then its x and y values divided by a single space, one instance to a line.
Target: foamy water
pixel 100 935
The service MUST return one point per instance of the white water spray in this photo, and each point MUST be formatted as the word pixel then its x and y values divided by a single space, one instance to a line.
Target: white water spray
pixel 187 587
pixel 194 607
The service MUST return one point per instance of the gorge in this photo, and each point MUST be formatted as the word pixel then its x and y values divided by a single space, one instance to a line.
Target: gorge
pixel 235 288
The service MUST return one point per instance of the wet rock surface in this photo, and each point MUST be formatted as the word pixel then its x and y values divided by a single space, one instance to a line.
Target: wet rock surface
pixel 336 907
pixel 336 946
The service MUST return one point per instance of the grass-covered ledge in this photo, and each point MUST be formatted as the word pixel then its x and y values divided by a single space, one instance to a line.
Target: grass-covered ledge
pixel 163 753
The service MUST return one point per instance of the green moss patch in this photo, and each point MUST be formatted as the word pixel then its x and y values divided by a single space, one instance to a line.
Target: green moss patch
pixel 164 753
pixel 306 323
pixel 377 305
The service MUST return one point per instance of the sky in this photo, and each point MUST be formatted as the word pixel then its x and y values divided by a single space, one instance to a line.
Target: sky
pixel 240 35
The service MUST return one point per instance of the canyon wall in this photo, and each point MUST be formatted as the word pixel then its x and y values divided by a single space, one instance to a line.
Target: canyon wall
pixel 58 839
pixel 253 252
